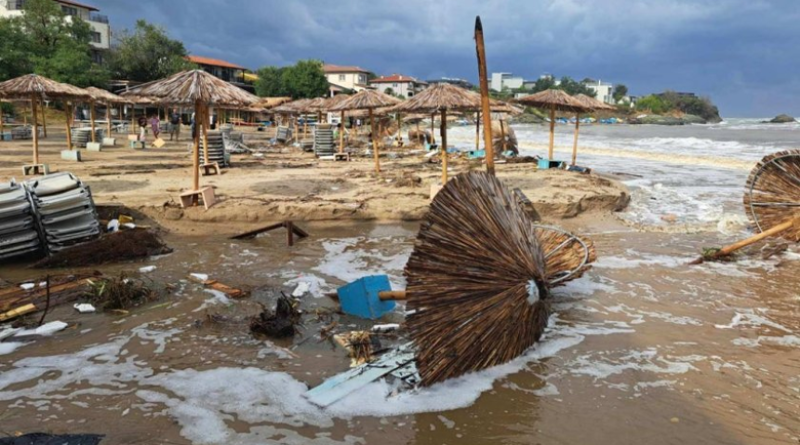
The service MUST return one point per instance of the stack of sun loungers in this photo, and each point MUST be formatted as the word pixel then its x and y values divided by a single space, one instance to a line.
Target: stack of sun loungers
pixel 284 134
pixel 80 136
pixel 65 209
pixel 323 140
pixel 23 132
pixel 216 149
pixel 18 228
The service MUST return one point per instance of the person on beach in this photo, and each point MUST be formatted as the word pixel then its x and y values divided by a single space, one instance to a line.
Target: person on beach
pixel 175 126
pixel 155 126
pixel 142 129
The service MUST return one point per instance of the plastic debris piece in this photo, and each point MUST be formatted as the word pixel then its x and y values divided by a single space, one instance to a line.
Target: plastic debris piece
pixel 112 225
pixel 27 286
pixel 199 276
pixel 84 308
pixel 43 330
pixel 147 269
pixel 385 327
pixel 301 289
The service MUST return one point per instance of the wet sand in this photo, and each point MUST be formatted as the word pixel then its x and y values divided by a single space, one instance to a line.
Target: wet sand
pixel 643 349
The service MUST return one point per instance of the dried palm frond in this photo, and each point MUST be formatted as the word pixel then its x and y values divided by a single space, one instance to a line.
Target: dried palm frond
pixel 34 85
pixel 772 193
pixel 477 284
pixel 553 99
pixel 593 104
pixel 190 87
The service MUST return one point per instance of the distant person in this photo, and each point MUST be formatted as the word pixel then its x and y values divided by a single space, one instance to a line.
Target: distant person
pixel 155 126
pixel 175 126
pixel 142 129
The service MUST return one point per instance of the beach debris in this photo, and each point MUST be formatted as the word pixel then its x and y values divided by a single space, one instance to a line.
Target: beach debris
pixel 16 302
pixel 361 346
pixel 50 439
pixel 771 202
pixel 302 288
pixel 291 231
pixel 281 323
pixel 43 330
pixel 84 308
pixel 109 248
pixel 229 291
pixel 147 269
pixel 368 297
pixel 383 328
pixel 119 293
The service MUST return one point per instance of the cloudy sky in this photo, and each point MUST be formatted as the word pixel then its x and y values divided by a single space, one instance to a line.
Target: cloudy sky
pixel 744 54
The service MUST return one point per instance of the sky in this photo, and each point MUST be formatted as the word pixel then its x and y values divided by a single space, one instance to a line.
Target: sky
pixel 743 54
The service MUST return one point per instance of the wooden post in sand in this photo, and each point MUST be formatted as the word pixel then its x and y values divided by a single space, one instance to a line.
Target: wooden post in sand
pixel 484 83
pixel 44 119
pixel 91 117
pixel 502 137
pixel 575 143
pixel 433 132
pixel 108 119
pixel 69 112
pixel 206 120
pixel 198 112
pixel 552 132
pixel 443 130
pixel 341 133
pixel 35 131
pixel 477 130
pixel 374 142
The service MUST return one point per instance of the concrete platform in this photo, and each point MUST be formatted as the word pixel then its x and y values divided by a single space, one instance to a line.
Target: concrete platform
pixel 71 155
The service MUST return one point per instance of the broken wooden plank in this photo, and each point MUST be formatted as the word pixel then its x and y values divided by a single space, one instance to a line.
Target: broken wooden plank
pixel 18 312
pixel 291 230
pixel 224 288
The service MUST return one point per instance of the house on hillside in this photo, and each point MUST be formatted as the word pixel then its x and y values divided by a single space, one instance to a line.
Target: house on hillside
pixel 346 78
pixel 604 91
pixel 502 81
pixel 463 83
pixel 398 84
pixel 227 71
pixel 101 30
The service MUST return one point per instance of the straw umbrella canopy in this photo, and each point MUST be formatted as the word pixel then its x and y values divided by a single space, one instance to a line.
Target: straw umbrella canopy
pixel 368 100
pixel 35 88
pixel 199 89
pixel 107 98
pixel 329 104
pixel 553 100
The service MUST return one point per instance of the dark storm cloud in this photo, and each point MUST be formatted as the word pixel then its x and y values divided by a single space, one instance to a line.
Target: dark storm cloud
pixel 741 53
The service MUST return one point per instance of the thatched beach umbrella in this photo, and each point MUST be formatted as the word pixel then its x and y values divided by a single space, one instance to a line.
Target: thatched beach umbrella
pixel 328 106
pixel 368 100
pixel 36 88
pixel 441 98
pixel 198 89
pixel 553 100
pixel 479 278
pixel 591 104
pixel 772 192
pixel 107 98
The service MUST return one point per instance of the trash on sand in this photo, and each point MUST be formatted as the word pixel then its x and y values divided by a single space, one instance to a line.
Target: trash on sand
pixel 279 324
pixel 8 332
pixel 49 439
pixel 84 308
pixel 361 346
pixel 389 327
pixel 147 269
pixel 216 285
pixel 112 247
pixel 119 292
pixel 27 286
pixel 369 297
pixel 112 225
pixel 16 302
pixel 302 288
pixel 199 276
pixel 43 330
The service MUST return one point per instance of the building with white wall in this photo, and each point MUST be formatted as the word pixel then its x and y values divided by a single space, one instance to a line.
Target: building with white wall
pixel 398 84
pixel 502 81
pixel 101 30
pixel 603 91
pixel 346 77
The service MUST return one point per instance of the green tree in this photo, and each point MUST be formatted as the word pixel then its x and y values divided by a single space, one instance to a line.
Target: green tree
pixel 15 50
pixel 270 82
pixel 147 53
pixel 652 103
pixel 73 65
pixel 306 79
pixel 619 92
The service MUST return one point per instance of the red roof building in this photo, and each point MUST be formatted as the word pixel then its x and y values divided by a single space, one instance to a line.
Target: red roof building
pixel 227 71
pixel 398 85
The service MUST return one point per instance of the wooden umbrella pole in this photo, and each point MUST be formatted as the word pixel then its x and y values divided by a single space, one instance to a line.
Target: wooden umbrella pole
pixel 206 120
pixel 108 119
pixel 44 119
pixel 399 131
pixel 484 83
pixel 727 250
pixel 374 142
pixel 443 130
pixel 341 133
pixel 478 130
pixel 433 132
pixel 69 111
pixel 196 153
pixel 552 132
pixel 575 143
pixel 91 117
pixel 35 131
pixel 502 136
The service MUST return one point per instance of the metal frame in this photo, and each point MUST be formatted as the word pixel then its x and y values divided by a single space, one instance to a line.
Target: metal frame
pixel 572 238
pixel 753 183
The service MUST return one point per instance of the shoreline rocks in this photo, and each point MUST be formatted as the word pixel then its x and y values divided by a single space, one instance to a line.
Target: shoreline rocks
pixel 781 119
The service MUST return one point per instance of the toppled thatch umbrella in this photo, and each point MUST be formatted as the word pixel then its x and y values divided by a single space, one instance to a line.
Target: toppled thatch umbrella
pixel 36 88
pixel 104 97
pixel 479 278
pixel 441 98
pixel 553 100
pixel 591 104
pixel 368 100
pixel 200 90
pixel 771 202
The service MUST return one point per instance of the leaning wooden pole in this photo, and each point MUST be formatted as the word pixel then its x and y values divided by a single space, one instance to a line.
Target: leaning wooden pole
pixel 484 83
pixel 502 136
pixel 206 120
pixel 443 132
pixel 44 119
pixel 198 110
pixel 552 132
pixel 35 132
pixel 68 109
pixel 374 142
pixel 108 119
pixel 575 143
pixel 91 117
pixel 341 133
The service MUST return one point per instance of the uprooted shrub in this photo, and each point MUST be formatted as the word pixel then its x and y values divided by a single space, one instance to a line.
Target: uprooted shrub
pixel 120 292
pixel 281 323
pixel 112 247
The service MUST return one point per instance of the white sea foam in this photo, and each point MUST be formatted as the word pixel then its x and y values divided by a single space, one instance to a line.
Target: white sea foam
pixel 750 318
pixel 349 259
